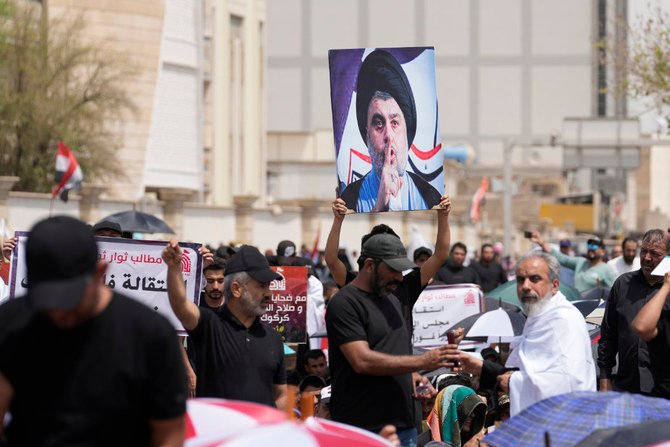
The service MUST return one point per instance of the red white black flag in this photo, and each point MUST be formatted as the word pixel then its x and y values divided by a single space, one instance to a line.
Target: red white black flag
pixel 68 173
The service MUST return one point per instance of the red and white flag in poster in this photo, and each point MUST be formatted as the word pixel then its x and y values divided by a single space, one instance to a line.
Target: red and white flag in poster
pixel 288 311
pixel 68 173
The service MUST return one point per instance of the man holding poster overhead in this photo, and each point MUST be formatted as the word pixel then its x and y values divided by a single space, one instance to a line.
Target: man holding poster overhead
pixel 387 121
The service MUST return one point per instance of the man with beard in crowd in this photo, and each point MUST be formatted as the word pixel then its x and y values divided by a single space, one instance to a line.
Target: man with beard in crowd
pixel 628 261
pixel 212 295
pixel 237 355
pixel 454 271
pixel 630 292
pixel 491 273
pixel 371 359
pixel 211 298
pixel 591 271
pixel 553 355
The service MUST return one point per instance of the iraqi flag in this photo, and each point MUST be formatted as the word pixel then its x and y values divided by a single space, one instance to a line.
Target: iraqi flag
pixel 68 173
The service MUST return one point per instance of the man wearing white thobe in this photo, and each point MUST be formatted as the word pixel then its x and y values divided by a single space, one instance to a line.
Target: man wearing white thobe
pixel 553 355
pixel 628 261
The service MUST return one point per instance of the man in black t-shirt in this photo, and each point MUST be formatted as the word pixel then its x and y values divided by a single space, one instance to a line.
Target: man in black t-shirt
pixel 490 272
pixel 416 280
pixel 370 354
pixel 79 364
pixel 211 298
pixel 619 343
pixel 237 355
pixel 454 271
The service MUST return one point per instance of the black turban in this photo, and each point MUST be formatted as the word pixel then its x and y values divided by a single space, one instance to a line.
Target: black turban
pixel 381 72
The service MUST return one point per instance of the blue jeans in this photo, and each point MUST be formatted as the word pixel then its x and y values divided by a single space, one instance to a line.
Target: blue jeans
pixel 407 437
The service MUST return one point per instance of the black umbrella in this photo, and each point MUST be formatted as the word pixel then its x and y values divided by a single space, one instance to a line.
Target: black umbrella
pixel 586 306
pixel 139 222
pixel 597 293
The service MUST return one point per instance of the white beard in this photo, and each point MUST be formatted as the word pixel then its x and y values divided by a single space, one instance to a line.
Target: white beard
pixel 533 307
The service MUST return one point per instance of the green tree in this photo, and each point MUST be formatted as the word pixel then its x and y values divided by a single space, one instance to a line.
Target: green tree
pixel 643 58
pixel 55 86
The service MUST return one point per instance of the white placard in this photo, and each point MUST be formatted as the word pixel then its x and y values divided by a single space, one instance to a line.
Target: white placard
pixel 662 268
pixel 439 308
pixel 135 269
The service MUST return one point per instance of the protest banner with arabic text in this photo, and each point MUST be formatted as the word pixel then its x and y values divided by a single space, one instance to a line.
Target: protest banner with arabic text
pixel 288 311
pixel 135 269
pixel 440 307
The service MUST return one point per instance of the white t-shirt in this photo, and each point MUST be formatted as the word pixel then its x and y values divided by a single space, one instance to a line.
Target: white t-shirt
pixel 620 267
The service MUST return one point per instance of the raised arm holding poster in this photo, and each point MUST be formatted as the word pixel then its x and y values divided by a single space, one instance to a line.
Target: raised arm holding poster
pixel 385 121
pixel 135 268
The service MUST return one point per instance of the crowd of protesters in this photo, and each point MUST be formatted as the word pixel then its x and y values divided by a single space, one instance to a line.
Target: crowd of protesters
pixel 81 333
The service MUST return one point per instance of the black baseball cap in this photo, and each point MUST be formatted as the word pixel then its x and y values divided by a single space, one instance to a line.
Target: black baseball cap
pixel 286 248
pixel 422 251
pixel 249 260
pixel 389 249
pixel 596 241
pixel 61 257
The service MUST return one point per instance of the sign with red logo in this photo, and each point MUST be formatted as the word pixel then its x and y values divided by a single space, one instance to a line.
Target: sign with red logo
pixel 439 308
pixel 134 268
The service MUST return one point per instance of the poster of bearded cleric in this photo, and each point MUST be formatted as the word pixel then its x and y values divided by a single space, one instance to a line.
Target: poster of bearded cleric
pixel 385 122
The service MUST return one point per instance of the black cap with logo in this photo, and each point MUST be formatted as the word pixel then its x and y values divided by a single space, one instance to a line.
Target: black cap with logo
pixel 249 260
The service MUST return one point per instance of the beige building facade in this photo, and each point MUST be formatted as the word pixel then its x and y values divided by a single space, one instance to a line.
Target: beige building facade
pixel 233 135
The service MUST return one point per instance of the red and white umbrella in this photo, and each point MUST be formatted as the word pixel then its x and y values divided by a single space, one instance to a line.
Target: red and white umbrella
pixel 311 433
pixel 208 420
pixel 355 436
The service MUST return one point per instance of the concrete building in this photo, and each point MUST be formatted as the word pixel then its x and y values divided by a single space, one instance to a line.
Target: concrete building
pixel 234 135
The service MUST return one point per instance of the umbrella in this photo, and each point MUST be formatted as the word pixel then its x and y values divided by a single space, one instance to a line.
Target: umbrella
pixel 597 315
pixel 507 293
pixel 312 433
pixel 567 419
pixel 500 323
pixel 491 303
pixel 637 434
pixel 586 306
pixel 597 293
pixel 218 418
pixel 139 222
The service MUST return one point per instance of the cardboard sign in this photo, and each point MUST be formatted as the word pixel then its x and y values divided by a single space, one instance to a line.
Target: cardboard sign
pixel 135 269
pixel 439 308
pixel 662 268
pixel 288 311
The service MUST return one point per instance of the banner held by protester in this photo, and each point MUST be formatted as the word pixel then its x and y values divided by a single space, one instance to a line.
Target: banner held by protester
pixel 135 268
pixel 288 311
pixel 439 307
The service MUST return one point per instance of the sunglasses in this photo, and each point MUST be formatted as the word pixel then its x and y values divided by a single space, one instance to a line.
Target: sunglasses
pixel 592 245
